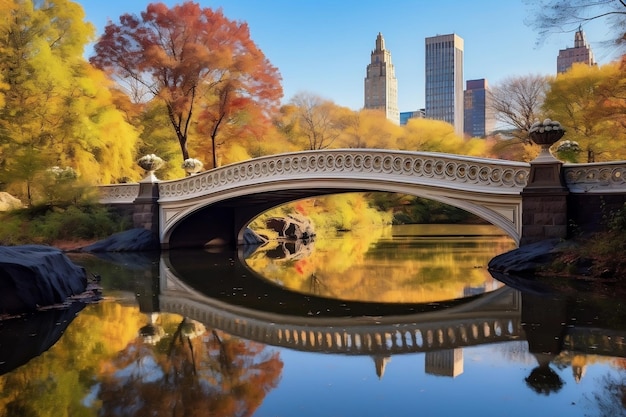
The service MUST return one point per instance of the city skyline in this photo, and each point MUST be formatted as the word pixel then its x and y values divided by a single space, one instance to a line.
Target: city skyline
pixel 321 47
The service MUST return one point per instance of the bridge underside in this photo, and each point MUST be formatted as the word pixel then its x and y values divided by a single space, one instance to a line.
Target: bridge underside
pixel 223 223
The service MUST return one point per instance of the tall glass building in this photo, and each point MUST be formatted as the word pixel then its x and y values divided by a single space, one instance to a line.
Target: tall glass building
pixel 444 80
pixel 381 85
pixel 479 115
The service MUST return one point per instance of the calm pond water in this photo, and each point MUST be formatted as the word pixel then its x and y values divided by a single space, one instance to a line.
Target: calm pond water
pixel 399 322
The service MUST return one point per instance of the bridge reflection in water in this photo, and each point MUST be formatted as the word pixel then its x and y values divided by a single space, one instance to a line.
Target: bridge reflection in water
pixel 223 293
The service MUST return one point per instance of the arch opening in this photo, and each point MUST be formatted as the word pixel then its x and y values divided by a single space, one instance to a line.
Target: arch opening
pixel 225 222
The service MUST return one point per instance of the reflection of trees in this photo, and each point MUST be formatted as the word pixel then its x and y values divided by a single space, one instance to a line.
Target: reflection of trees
pixel 612 398
pixel 543 379
pixel 192 373
pixel 366 266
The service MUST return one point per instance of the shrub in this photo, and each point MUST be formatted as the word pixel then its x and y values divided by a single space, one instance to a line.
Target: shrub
pixel 47 224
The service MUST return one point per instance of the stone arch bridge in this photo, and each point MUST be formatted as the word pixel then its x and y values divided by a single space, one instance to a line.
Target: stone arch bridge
pixel 531 201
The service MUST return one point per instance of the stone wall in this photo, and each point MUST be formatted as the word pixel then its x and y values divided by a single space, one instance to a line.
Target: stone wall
pixel 544 216
pixel 588 212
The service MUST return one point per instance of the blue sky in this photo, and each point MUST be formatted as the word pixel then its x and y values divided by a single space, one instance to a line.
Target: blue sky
pixel 324 46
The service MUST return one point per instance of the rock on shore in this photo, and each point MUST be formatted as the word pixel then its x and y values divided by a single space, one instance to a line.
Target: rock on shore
pixel 527 259
pixel 132 240
pixel 33 276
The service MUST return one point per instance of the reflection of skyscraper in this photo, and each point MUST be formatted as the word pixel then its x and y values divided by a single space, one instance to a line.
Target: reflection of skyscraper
pixel 380 362
pixel 381 85
pixel 444 80
pixel 581 52
pixel 445 362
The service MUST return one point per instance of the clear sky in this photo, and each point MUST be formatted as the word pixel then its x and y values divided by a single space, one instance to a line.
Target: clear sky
pixel 323 46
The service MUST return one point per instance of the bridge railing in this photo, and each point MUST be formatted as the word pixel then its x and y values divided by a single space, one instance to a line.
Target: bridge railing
pixel 599 177
pixel 482 174
pixel 118 193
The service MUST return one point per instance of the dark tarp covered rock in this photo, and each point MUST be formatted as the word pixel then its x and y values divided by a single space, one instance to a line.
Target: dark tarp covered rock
pixel 132 240
pixel 33 276
pixel 526 259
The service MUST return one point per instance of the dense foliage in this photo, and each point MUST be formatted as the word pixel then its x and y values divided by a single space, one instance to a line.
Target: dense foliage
pixel 54 225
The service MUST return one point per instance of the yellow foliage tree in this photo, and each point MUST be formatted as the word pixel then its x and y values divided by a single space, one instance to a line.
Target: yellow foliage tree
pixel 429 135
pixel 58 109
pixel 310 122
pixel 370 129
pixel 590 102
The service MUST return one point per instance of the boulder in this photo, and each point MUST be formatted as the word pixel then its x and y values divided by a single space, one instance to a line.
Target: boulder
pixel 133 240
pixel 8 202
pixel 291 227
pixel 33 276
pixel 526 259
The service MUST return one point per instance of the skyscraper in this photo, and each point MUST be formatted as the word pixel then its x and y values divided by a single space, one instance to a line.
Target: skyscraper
pixel 444 80
pixel 581 52
pixel 381 85
pixel 479 116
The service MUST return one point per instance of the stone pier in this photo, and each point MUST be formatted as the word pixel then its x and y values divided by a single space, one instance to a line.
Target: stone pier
pixel 146 206
pixel 544 201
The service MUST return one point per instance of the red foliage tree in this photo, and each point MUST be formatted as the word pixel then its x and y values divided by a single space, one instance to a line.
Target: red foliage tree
pixel 189 57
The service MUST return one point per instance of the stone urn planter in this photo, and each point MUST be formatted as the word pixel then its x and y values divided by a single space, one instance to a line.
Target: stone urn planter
pixel 192 166
pixel 546 134
pixel 150 163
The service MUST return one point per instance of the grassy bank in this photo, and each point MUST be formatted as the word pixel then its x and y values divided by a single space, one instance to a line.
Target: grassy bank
pixel 58 225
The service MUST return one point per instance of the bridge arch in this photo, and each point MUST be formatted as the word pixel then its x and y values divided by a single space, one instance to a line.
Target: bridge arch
pixel 216 206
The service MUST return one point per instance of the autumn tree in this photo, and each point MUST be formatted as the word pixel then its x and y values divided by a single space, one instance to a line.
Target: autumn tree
pixel 312 122
pixel 196 61
pixel 58 109
pixel 427 135
pixel 590 103
pixel 516 102
pixel 369 129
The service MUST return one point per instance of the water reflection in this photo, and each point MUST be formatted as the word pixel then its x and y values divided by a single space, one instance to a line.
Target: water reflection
pixel 403 264
pixel 197 333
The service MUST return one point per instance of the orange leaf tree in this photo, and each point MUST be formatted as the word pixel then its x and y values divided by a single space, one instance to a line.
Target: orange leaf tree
pixel 191 58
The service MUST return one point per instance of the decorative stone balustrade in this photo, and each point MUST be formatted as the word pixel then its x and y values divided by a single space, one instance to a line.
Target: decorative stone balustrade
pixel 601 177
pixel 119 193
pixel 488 175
